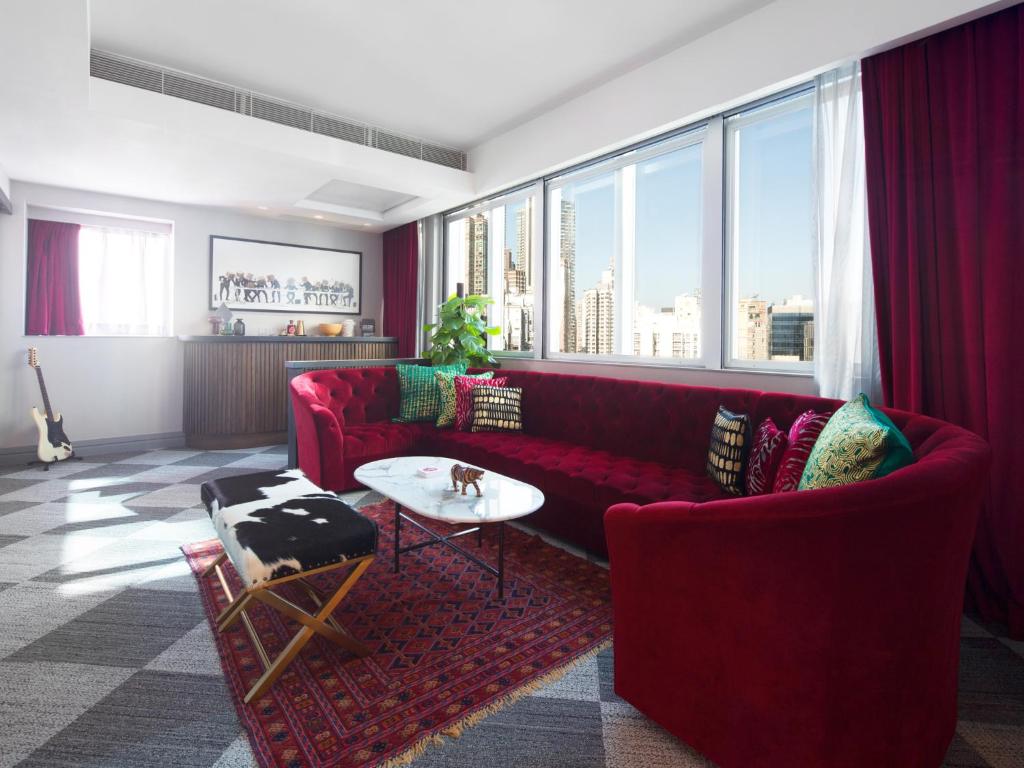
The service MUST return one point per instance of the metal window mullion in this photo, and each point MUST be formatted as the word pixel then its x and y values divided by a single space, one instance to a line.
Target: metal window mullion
pixel 625 259
pixel 539 219
pixel 496 274
pixel 712 247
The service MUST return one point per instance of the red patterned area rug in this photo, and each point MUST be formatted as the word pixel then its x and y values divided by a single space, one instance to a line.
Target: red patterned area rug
pixel 445 656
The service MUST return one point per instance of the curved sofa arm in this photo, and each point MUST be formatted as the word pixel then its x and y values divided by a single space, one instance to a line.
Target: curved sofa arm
pixel 318 434
pixel 812 623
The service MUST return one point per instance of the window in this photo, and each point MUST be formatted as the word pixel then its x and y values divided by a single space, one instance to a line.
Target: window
pixel 96 275
pixel 124 277
pixel 693 249
pixel 770 235
pixel 625 251
pixel 490 250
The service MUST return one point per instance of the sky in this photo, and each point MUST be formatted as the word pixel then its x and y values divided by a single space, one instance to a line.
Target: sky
pixel 774 208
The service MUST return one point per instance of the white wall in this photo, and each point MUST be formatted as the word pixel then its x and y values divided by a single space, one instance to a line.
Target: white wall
pixel 782 44
pixel 125 387
pixel 5 184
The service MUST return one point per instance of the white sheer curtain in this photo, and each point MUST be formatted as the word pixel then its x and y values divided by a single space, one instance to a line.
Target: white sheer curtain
pixel 124 277
pixel 845 337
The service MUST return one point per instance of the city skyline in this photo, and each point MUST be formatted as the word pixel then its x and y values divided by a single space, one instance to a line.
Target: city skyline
pixel 770 215
pixel 763 329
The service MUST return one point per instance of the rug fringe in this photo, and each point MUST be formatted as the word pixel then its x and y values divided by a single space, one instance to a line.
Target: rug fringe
pixel 456 729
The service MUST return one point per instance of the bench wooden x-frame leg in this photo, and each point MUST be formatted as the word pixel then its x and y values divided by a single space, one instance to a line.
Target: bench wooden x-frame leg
pixel 321 622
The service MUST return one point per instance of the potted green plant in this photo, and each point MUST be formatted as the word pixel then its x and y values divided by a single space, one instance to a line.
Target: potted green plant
pixel 460 333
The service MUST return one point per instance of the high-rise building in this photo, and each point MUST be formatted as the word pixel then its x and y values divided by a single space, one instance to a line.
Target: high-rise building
pixel 752 329
pixel 669 332
pixel 476 254
pixel 524 243
pixel 790 338
pixel 517 306
pixel 567 252
pixel 597 329
pixel 518 326
pixel 515 278
pixel 809 340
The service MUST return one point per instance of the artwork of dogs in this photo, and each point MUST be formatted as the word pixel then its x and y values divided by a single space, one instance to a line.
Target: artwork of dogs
pixel 466 476
pixel 276 277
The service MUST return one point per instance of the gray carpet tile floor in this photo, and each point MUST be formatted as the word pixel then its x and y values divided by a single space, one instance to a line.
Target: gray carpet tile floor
pixel 106 658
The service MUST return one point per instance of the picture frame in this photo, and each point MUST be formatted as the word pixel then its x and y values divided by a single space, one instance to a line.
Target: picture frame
pixel 367 327
pixel 267 276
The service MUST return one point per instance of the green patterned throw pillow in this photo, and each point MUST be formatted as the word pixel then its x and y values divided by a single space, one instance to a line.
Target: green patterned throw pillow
pixel 446 383
pixel 421 397
pixel 858 443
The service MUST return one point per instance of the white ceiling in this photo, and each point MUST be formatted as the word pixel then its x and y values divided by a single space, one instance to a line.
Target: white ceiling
pixel 454 72
pixel 448 71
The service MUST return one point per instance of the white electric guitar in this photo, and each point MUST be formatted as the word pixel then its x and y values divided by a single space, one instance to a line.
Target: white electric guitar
pixel 53 443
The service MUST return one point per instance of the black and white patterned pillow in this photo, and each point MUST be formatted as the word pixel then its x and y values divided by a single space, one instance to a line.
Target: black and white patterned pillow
pixel 497 409
pixel 727 453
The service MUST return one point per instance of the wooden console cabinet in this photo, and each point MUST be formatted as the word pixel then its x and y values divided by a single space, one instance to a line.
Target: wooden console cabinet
pixel 235 388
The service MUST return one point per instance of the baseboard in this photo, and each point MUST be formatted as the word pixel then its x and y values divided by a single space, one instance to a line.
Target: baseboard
pixel 248 440
pixel 25 454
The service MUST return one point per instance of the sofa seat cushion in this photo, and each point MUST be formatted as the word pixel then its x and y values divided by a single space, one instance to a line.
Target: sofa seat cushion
pixel 585 475
pixel 382 439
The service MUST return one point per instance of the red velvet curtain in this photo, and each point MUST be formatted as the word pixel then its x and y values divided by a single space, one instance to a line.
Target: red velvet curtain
pixel 944 135
pixel 52 304
pixel 401 250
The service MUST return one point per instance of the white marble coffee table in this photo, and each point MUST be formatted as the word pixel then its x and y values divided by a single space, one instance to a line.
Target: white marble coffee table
pixel 503 499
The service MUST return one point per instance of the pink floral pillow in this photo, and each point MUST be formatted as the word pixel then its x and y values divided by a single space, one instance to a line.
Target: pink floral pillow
pixel 802 437
pixel 765 457
pixel 464 398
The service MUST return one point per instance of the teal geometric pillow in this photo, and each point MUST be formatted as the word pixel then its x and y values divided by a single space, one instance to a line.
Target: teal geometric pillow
pixel 421 397
pixel 858 443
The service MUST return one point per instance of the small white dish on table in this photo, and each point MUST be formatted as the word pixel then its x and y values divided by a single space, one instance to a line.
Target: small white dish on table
pixel 503 499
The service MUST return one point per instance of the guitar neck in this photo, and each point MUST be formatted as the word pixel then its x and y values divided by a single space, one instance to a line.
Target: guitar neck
pixel 42 390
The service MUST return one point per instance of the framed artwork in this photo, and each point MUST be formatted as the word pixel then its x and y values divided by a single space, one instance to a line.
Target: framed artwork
pixel 261 276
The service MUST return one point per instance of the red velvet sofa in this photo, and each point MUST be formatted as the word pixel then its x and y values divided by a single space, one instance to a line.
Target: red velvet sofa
pixel 817 628
pixel 588 443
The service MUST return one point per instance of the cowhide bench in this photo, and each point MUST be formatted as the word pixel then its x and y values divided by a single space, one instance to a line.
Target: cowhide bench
pixel 278 527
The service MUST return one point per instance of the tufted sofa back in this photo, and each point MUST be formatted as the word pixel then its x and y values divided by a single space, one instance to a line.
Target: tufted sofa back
pixel 353 395
pixel 666 423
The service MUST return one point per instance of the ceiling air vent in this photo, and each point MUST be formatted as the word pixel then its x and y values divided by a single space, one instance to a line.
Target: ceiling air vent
pixel 434 153
pixel 134 73
pixel 182 85
pixel 280 112
pixel 199 90
pixel 392 142
pixel 345 130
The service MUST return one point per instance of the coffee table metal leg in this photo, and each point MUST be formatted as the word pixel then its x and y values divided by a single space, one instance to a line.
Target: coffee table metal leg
pixel 501 561
pixel 398 531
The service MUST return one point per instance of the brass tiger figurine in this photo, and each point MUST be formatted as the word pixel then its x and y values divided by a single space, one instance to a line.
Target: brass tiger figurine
pixel 466 476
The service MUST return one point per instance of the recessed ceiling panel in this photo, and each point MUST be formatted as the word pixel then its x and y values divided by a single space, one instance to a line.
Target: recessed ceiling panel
pixel 350 195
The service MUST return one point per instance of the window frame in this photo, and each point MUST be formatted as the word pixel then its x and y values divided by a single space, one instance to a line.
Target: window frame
pixel 618 165
pixel 778 104
pixel 495 277
pixel 716 270
pixel 111 221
